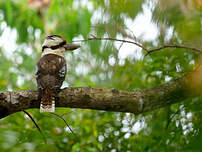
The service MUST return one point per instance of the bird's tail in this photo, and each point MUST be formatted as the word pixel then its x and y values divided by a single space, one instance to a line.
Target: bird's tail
pixel 47 101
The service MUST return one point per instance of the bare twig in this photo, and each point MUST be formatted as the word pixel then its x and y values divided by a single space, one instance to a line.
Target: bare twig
pixel 140 45
pixel 133 35
pixel 168 117
pixel 120 46
pixel 173 46
pixel 64 122
pixel 62 115
pixel 113 39
pixel 36 125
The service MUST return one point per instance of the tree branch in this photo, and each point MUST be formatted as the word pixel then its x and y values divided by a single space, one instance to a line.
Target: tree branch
pixel 113 39
pixel 136 102
pixel 140 45
pixel 173 46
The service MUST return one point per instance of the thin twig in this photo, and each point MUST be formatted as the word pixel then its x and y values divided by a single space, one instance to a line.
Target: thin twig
pixel 113 39
pixel 120 46
pixel 65 113
pixel 170 119
pixel 139 45
pixel 173 46
pixel 36 125
pixel 64 122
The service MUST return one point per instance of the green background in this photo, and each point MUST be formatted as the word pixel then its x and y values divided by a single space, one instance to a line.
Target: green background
pixel 99 64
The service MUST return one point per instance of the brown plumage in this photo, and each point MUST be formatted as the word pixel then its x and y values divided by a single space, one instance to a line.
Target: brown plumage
pixel 48 99
pixel 50 74
pixel 51 70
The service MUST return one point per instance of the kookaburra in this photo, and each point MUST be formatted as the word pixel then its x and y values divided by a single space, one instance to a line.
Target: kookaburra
pixel 51 70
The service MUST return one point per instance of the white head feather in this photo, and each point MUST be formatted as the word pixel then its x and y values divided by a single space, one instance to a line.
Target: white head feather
pixel 52 41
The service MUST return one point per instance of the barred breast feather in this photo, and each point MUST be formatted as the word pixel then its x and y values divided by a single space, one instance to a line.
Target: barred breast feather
pixel 50 74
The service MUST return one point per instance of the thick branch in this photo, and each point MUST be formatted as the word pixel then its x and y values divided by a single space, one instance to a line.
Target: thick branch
pixel 136 102
pixel 101 99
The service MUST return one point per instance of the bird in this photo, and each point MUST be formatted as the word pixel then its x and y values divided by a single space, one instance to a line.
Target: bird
pixel 51 70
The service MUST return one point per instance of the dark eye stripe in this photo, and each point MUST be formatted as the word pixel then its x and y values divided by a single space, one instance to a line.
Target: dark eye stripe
pixel 54 47
pixel 44 48
pixel 58 46
pixel 51 36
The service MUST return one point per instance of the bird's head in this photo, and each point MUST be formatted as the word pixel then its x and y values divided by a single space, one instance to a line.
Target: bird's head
pixel 55 44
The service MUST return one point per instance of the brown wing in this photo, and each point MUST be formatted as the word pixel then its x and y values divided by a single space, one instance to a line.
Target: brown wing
pixel 50 71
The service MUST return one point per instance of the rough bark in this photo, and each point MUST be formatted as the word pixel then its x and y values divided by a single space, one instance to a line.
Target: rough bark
pixel 136 102
pixel 101 99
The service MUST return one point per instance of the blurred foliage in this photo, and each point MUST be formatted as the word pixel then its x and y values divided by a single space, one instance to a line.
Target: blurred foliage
pixel 100 64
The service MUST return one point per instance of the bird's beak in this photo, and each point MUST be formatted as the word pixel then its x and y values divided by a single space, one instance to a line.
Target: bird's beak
pixel 71 47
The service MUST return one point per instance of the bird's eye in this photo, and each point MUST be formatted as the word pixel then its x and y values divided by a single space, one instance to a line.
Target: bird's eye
pixel 52 38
